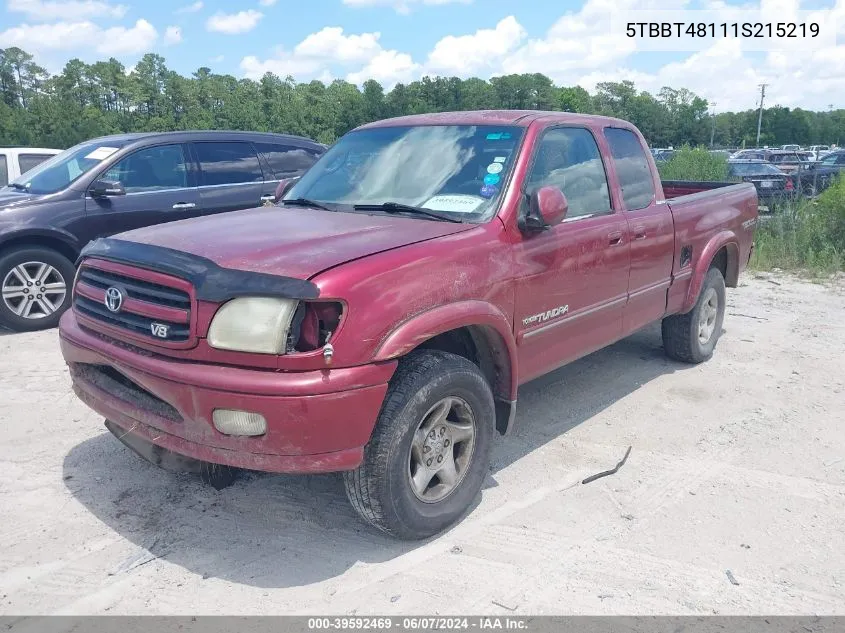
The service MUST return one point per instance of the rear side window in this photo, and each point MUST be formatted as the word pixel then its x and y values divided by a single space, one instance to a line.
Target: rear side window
pixel 28 161
pixel 287 161
pixel 4 171
pixel 228 163
pixel 568 158
pixel 632 168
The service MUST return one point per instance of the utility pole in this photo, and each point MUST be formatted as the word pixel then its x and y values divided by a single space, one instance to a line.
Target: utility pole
pixel 713 127
pixel 760 115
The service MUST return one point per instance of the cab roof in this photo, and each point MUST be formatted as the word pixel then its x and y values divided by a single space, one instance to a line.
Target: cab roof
pixel 520 118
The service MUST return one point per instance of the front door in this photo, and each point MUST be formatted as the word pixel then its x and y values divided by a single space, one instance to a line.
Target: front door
pixel 159 188
pixel 572 278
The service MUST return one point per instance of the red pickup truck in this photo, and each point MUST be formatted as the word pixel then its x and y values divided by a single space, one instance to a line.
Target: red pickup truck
pixel 379 320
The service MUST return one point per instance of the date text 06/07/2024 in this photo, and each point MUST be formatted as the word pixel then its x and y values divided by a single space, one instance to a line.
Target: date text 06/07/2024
pixel 417 623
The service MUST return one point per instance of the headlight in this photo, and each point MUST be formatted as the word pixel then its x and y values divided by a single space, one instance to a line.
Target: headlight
pixel 252 324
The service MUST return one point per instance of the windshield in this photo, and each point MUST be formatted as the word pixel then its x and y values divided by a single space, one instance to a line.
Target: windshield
pixel 749 169
pixel 829 160
pixel 60 171
pixel 459 170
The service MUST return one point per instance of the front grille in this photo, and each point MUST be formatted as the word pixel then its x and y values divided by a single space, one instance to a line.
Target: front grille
pixel 116 384
pixel 148 310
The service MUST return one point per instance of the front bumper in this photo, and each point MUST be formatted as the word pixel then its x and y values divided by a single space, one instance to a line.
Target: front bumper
pixel 317 421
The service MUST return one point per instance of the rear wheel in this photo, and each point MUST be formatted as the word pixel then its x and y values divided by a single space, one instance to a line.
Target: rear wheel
pixel 430 449
pixel 692 337
pixel 34 288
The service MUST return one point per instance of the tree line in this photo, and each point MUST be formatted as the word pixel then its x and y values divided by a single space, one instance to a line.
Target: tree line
pixel 88 100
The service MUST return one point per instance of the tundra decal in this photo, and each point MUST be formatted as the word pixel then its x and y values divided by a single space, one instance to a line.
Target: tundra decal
pixel 545 316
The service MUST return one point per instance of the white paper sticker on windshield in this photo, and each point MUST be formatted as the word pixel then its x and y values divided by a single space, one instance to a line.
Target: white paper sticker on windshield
pixel 494 168
pixel 457 203
pixel 102 153
pixel 500 159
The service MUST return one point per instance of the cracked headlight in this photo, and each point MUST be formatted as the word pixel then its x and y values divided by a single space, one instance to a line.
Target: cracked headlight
pixel 252 324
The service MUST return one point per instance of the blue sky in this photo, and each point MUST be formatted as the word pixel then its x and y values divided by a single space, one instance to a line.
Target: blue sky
pixel 402 40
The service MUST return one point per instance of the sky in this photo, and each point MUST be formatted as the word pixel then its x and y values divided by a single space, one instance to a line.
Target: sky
pixel 575 42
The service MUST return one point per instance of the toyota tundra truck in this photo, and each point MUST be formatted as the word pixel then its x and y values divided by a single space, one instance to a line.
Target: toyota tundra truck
pixel 379 319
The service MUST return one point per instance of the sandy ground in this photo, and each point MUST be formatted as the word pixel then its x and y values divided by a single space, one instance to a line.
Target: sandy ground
pixel 737 464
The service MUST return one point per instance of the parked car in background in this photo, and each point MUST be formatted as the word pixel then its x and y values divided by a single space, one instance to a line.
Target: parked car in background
pixel 773 185
pixel 662 155
pixel 117 183
pixel 818 151
pixel 822 172
pixel 748 154
pixel 788 161
pixel 381 323
pixel 15 161
pixel 791 148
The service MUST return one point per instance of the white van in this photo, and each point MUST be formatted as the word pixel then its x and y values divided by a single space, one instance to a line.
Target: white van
pixel 15 161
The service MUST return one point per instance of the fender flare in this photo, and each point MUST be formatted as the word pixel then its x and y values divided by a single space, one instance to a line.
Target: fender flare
pixel 472 313
pixel 702 264
pixel 68 239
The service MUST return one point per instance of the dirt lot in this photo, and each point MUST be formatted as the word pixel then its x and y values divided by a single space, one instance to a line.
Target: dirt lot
pixel 738 464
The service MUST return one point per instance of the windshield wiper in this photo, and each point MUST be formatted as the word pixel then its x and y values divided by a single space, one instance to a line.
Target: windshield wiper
pixel 305 202
pixel 398 207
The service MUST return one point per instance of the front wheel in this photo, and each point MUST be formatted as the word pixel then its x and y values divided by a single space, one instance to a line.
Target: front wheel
pixel 430 450
pixel 35 286
pixel 692 337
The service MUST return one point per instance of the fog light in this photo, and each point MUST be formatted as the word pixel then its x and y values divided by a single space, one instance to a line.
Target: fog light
pixel 239 422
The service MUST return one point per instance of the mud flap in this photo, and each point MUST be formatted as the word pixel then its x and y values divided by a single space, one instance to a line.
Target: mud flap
pixel 156 455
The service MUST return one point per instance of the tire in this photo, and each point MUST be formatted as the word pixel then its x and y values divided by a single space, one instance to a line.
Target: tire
pixel 381 490
pixel 19 272
pixel 682 333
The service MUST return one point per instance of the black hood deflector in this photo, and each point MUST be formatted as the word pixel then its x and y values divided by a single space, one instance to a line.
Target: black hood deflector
pixel 211 282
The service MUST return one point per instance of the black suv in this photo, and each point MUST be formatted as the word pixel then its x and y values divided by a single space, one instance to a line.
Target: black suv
pixel 117 183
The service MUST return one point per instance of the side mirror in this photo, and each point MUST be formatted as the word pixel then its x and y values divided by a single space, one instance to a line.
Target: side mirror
pixel 547 207
pixel 106 188
pixel 283 187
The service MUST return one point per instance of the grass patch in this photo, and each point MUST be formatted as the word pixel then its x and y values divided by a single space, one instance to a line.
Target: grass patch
pixel 808 235
pixel 694 163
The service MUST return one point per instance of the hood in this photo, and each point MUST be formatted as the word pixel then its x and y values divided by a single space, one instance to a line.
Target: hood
pixel 13 199
pixel 294 242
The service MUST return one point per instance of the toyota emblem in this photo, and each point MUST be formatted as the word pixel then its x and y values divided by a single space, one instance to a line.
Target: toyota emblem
pixel 114 299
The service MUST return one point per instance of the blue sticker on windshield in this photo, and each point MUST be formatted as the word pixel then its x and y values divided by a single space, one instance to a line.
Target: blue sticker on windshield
pixel 494 136
pixel 491 179
pixel 488 191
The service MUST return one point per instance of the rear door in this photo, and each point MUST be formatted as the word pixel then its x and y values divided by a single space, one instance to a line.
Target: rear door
pixel 159 187
pixel 231 176
pixel 574 276
pixel 651 227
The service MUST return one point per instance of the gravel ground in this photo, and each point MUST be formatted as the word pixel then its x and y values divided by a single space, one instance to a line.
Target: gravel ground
pixel 737 464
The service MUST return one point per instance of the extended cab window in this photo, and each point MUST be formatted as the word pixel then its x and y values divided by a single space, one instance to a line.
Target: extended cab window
pixel 151 169
pixel 632 168
pixel 4 171
pixel 228 163
pixel 568 158
pixel 287 161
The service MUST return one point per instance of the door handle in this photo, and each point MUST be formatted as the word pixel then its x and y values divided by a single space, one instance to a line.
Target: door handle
pixel 615 238
pixel 267 197
pixel 639 233
pixel 184 205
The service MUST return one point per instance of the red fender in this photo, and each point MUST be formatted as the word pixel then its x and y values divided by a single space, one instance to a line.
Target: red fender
pixel 702 265
pixel 426 325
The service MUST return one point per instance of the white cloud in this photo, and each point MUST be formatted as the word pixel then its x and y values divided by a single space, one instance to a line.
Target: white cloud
pixel 468 54
pixel 172 35
pixel 191 8
pixel 234 23
pixel 331 43
pixel 56 9
pixel 117 41
pixel 400 6
pixel 388 68
pixel 330 47
pixel 266 3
